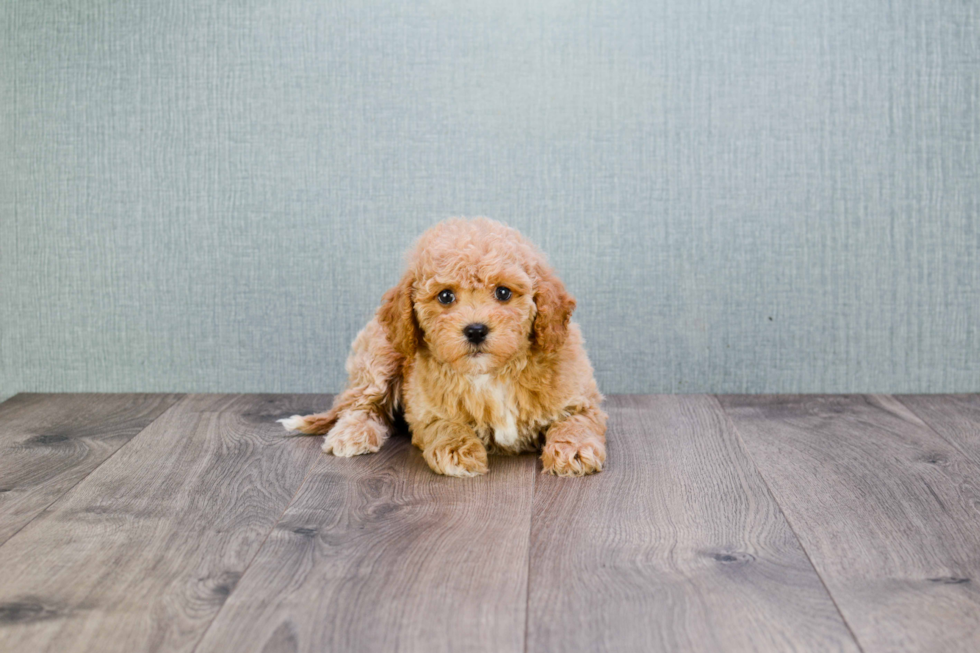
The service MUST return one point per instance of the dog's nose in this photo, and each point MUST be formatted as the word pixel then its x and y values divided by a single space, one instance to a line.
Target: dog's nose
pixel 476 333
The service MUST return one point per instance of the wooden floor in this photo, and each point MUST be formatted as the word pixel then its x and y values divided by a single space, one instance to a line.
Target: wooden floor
pixel 748 523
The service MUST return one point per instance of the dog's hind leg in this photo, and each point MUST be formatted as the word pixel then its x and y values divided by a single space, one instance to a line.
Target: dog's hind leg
pixel 361 417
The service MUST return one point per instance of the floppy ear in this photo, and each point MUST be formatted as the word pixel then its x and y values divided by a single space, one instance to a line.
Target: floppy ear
pixel 397 317
pixel 555 308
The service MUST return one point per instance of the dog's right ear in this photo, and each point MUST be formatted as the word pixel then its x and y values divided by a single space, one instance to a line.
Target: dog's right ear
pixel 397 316
pixel 555 307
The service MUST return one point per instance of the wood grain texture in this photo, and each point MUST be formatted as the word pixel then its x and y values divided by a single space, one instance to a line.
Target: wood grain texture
pixel 48 443
pixel 199 531
pixel 676 546
pixel 888 511
pixel 955 417
pixel 142 553
pixel 377 553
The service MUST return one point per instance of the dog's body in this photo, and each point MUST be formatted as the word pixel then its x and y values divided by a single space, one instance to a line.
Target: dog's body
pixel 475 347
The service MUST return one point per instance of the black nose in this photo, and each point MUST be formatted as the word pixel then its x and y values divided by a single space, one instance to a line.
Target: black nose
pixel 476 333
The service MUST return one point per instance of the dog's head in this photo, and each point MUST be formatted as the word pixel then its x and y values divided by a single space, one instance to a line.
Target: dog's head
pixel 476 295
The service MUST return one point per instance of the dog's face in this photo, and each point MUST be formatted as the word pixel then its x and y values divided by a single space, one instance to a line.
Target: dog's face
pixel 476 295
pixel 476 324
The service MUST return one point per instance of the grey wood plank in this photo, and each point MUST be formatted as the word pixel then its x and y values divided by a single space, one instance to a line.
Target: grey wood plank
pixel 377 553
pixel 888 511
pixel 142 553
pixel 955 417
pixel 676 546
pixel 49 442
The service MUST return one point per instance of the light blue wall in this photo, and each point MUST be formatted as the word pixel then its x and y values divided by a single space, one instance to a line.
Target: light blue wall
pixel 744 196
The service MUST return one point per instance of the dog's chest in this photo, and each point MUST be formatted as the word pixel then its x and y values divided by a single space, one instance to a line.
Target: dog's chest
pixel 495 410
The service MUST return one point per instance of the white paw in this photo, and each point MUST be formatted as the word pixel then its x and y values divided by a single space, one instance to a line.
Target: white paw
pixel 355 434
pixel 292 423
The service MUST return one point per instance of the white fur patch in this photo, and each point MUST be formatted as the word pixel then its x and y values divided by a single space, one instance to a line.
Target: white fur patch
pixel 480 381
pixel 505 434
pixel 497 394
pixel 292 423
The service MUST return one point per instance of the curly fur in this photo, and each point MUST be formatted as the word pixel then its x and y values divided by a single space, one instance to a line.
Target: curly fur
pixel 529 380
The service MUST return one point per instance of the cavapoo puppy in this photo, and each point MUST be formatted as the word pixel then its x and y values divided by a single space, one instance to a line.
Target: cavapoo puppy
pixel 476 348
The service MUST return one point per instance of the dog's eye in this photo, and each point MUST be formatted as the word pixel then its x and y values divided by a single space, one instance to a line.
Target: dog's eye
pixel 502 294
pixel 446 297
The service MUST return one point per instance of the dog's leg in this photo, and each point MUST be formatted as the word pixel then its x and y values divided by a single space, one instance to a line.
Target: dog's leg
pixel 576 445
pixel 450 448
pixel 356 432
pixel 360 419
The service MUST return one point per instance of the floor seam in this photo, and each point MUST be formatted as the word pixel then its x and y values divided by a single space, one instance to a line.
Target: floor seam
pixel 969 456
pixel 177 402
pixel 789 522
pixel 530 530
pixel 258 550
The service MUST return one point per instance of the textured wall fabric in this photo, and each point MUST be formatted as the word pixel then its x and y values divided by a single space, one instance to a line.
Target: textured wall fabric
pixel 744 196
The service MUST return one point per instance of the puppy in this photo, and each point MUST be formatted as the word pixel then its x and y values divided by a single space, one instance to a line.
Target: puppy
pixel 476 348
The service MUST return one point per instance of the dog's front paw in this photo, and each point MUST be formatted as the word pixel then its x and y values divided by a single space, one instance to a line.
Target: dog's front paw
pixel 354 434
pixel 459 458
pixel 578 458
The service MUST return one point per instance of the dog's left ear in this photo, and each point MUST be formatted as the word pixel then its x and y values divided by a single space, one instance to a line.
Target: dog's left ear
pixel 397 317
pixel 555 308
